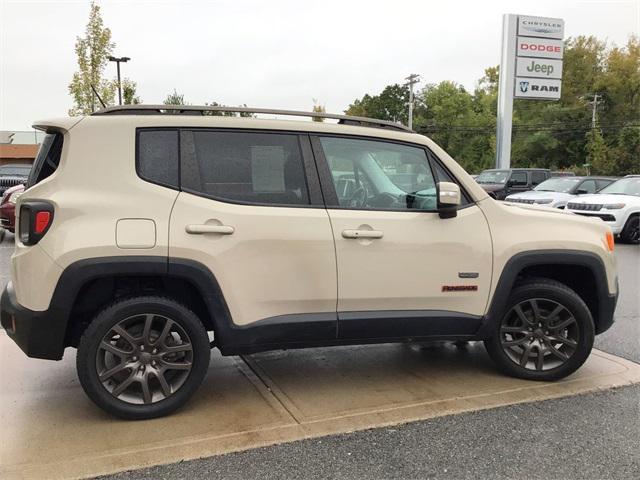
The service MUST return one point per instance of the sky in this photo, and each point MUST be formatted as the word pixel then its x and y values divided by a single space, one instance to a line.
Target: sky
pixel 271 54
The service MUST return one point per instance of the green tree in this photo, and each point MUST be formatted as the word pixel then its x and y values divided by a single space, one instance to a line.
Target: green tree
pixel 175 98
pixel 92 51
pixel 129 96
pixel 390 104
pixel 597 153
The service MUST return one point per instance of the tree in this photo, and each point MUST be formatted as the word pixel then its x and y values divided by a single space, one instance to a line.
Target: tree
pixel 92 51
pixel 129 96
pixel 390 104
pixel 597 154
pixel 214 113
pixel 175 98
pixel 317 108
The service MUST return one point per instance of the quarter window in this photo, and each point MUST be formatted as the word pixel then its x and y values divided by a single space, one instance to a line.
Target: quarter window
pixel 158 156
pixel 257 168
pixel 379 175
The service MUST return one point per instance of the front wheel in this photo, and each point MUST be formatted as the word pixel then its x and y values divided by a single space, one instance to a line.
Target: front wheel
pixel 631 231
pixel 143 357
pixel 546 333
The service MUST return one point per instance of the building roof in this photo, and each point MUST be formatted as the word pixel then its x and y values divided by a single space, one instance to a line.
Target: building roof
pixel 18 151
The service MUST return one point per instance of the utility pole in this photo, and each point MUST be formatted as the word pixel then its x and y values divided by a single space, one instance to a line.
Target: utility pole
pixel 118 60
pixel 594 110
pixel 411 81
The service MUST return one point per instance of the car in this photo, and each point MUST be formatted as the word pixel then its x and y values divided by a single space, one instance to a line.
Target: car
pixel 12 174
pixel 557 191
pixel 500 183
pixel 8 207
pixel 148 235
pixel 618 205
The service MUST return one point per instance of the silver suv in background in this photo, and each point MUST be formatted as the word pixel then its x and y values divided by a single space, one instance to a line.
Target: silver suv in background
pixel 557 191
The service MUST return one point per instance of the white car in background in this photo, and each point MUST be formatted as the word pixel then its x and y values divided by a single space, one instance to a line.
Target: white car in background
pixel 618 205
pixel 557 191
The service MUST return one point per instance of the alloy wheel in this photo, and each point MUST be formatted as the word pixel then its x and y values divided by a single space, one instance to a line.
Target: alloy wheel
pixel 539 334
pixel 144 359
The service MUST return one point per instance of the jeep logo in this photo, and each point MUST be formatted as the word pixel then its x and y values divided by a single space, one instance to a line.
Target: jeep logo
pixel 540 68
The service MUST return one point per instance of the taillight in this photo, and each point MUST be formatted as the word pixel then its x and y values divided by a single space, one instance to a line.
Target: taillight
pixel 35 219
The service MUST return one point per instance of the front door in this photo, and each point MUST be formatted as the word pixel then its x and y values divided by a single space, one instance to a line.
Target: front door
pixel 248 211
pixel 402 270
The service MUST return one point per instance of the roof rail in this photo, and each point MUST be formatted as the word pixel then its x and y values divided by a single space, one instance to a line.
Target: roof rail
pixel 201 110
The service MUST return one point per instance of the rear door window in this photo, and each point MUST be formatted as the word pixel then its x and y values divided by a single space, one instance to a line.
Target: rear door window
pixel 537 178
pixel 244 167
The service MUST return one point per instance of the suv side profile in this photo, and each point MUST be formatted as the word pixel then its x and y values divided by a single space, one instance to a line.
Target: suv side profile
pixel 501 183
pixel 148 235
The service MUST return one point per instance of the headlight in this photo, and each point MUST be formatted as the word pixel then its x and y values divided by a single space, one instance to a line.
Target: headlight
pixel 544 201
pixel 13 198
pixel 614 206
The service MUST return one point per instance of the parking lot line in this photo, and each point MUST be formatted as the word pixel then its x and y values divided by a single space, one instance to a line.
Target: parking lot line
pixel 50 429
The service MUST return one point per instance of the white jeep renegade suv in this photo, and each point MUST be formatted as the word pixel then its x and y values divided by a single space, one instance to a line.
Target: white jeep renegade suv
pixel 150 234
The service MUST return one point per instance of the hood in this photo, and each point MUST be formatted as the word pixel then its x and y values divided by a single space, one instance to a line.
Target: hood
pixel 536 194
pixel 492 187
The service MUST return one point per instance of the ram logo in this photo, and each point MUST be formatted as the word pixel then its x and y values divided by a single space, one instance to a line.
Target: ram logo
pixel 524 86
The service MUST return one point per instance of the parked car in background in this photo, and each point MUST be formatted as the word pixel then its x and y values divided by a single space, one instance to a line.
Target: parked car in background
pixel 501 183
pixel 618 205
pixel 559 173
pixel 13 174
pixel 8 207
pixel 557 191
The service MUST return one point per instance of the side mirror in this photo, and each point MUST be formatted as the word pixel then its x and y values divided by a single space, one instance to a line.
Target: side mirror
pixel 448 199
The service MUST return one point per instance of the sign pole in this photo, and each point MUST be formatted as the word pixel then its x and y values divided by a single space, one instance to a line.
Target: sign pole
pixel 505 91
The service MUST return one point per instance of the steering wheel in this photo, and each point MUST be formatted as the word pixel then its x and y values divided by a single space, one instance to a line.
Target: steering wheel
pixel 358 198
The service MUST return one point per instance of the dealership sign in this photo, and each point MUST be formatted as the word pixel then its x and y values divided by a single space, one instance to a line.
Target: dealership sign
pixel 539 50
pixel 530 68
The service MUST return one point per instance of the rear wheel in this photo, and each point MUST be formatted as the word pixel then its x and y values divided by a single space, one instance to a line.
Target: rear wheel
pixel 546 333
pixel 631 231
pixel 143 357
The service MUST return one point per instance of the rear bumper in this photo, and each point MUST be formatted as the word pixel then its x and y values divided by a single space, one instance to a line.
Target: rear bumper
pixel 38 334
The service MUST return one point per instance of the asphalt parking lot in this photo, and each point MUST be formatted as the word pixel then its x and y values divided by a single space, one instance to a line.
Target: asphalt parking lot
pixel 586 436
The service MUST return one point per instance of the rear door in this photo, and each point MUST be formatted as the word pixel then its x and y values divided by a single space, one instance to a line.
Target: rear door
pixel 251 211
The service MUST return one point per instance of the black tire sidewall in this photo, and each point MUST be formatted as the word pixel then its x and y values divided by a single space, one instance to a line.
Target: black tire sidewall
pixel 569 299
pixel 105 320
pixel 624 235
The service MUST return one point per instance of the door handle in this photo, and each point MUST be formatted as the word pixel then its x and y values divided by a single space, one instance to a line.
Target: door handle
pixel 362 234
pixel 200 229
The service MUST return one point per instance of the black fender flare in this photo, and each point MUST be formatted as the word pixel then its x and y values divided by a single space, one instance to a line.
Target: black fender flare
pixel 516 264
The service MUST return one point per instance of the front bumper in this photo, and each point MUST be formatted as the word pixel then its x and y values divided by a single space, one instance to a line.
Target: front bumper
pixel 606 310
pixel 606 216
pixel 38 334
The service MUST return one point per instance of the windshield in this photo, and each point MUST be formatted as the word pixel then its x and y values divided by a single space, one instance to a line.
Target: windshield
pixel 493 176
pixel 624 186
pixel 17 170
pixel 563 184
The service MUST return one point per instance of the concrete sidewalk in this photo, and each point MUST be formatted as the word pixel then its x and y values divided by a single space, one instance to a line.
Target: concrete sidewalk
pixel 50 429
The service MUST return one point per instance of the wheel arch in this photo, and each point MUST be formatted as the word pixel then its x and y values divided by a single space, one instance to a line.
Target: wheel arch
pixel 88 285
pixel 582 271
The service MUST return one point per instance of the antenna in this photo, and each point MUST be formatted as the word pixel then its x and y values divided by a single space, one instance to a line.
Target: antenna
pixel 98 95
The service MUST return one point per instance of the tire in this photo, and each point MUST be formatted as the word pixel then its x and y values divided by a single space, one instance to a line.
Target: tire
pixel 110 363
pixel 631 231
pixel 518 338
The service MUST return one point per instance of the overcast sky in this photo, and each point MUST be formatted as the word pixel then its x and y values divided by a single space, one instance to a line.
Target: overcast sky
pixel 278 53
